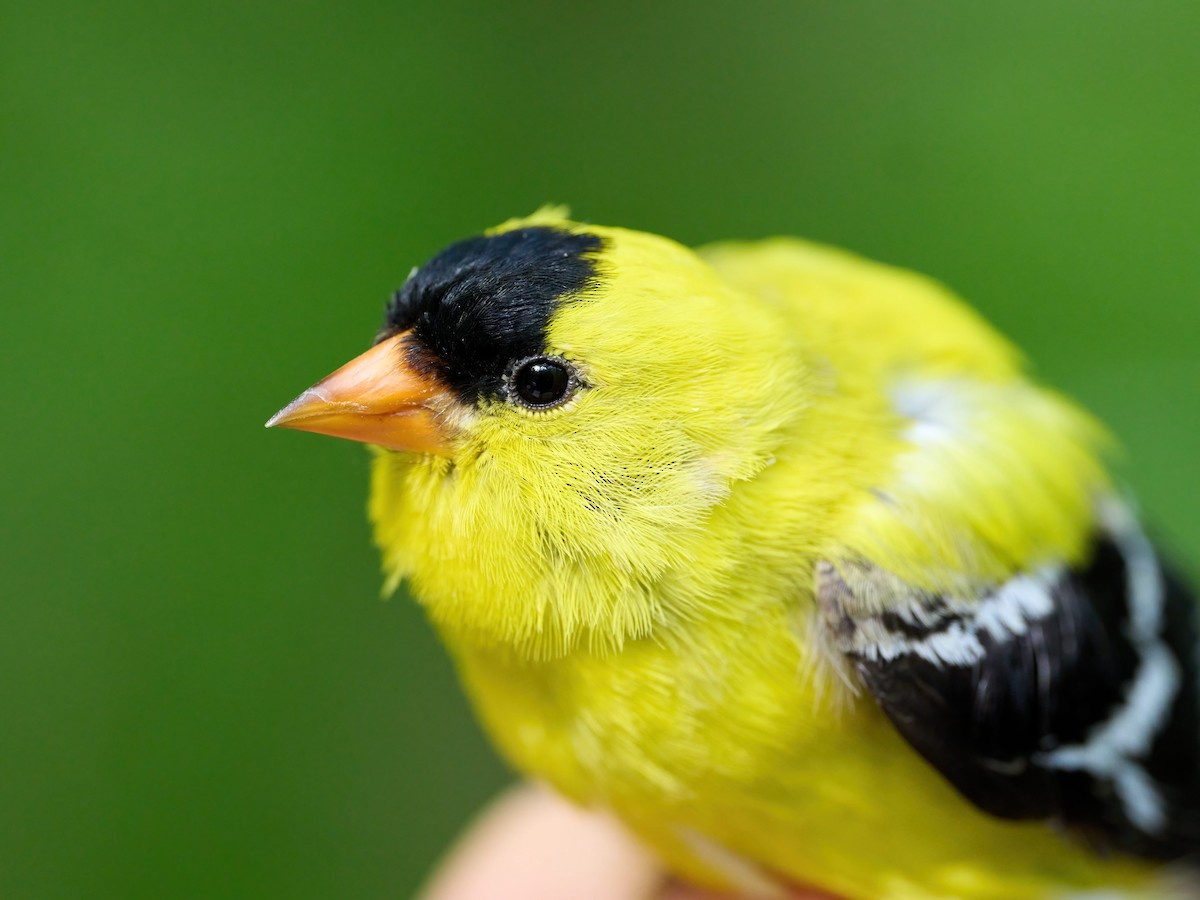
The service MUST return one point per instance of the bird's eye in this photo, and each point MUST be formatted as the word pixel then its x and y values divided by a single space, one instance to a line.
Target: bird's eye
pixel 541 383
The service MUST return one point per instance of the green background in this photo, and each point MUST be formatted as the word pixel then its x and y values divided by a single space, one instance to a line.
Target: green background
pixel 203 208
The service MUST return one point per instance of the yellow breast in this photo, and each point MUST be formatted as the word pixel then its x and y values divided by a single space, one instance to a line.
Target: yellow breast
pixel 736 765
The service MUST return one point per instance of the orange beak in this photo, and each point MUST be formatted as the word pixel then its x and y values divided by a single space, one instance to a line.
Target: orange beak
pixel 378 398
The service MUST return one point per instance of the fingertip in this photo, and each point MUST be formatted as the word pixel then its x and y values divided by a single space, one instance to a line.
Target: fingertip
pixel 533 845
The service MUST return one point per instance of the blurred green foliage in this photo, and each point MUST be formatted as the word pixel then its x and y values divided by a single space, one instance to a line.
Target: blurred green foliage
pixel 203 207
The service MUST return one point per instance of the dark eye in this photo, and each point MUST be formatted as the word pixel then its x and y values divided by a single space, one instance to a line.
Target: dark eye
pixel 541 383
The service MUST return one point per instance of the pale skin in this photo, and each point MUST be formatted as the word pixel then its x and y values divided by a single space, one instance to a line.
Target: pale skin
pixel 532 845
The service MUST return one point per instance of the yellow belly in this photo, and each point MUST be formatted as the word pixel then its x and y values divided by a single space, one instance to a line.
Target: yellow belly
pixel 729 762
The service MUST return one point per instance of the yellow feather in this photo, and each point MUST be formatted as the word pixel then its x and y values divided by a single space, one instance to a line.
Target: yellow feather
pixel 626 581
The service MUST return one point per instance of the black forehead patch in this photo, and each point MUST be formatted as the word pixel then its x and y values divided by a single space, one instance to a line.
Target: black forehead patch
pixel 486 301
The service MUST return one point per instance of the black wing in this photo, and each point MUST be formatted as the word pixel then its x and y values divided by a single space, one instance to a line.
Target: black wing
pixel 1063 694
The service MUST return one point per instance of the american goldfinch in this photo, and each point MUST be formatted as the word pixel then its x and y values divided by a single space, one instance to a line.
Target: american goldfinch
pixel 778 554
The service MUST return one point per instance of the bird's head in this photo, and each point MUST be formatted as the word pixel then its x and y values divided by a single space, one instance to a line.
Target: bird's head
pixel 558 409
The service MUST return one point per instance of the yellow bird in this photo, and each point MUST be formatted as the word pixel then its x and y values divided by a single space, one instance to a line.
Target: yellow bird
pixel 778 554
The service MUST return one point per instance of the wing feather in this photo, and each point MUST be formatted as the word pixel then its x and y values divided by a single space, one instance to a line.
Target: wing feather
pixel 1066 693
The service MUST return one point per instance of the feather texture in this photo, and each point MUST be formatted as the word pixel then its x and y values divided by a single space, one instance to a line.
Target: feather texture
pixel 629 582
